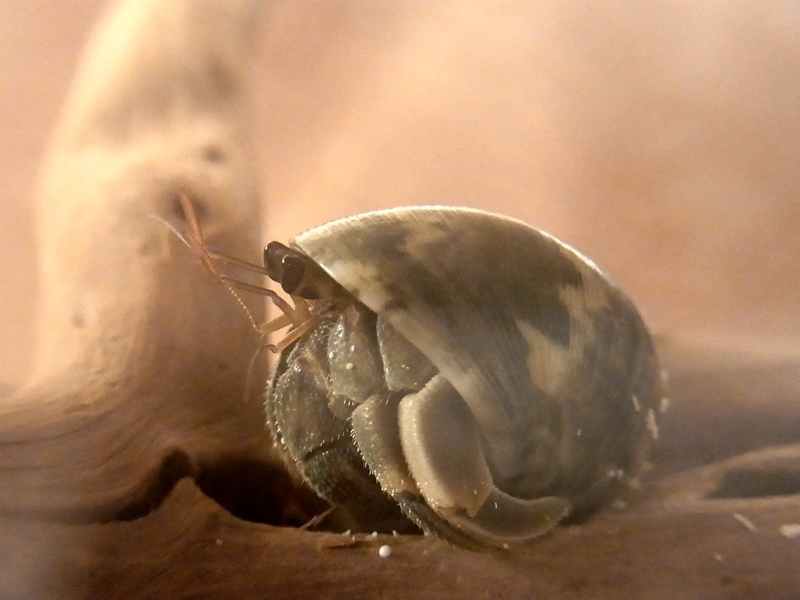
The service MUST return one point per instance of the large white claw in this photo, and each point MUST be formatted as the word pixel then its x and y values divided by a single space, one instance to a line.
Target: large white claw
pixel 442 446
pixel 503 518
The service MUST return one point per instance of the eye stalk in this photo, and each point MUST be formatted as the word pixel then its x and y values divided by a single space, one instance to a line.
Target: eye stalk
pixel 298 274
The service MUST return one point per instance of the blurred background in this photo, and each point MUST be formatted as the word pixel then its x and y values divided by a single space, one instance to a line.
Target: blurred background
pixel 660 138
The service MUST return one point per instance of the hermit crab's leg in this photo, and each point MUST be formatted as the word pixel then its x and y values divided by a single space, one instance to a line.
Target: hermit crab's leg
pixel 296 332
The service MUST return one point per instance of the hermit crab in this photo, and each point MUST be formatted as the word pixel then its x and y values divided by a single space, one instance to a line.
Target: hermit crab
pixel 459 367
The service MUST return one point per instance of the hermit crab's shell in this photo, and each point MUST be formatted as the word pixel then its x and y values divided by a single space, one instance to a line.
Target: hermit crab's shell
pixel 552 359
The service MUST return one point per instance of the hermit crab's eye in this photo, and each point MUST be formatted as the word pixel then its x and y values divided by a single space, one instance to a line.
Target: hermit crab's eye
pixel 298 274
pixel 274 253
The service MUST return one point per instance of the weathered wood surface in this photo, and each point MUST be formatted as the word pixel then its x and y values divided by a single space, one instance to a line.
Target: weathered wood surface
pixel 139 351
pixel 137 402
pixel 190 548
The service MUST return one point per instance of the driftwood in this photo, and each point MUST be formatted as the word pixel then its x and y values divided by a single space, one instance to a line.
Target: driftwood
pixel 133 466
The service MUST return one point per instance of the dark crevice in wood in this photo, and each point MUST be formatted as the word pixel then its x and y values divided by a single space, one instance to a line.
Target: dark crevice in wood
pixel 752 483
pixel 259 492
pixel 248 489
pixel 175 466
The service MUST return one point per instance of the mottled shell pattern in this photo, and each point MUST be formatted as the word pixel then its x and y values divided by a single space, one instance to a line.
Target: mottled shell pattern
pixel 486 378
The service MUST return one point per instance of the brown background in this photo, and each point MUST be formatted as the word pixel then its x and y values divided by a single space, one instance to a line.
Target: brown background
pixel 660 138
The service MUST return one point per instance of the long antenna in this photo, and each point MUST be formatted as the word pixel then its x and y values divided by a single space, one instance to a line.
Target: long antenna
pixel 298 317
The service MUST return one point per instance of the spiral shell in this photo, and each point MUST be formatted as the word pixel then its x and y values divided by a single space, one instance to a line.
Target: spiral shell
pixel 475 372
